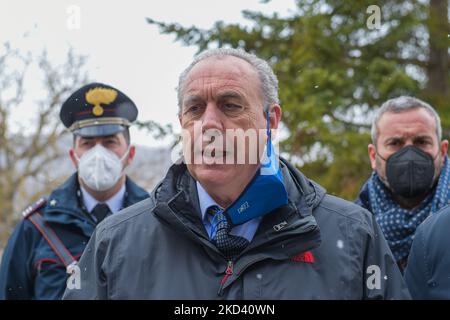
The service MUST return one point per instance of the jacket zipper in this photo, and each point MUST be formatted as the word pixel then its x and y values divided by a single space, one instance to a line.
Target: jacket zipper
pixel 228 272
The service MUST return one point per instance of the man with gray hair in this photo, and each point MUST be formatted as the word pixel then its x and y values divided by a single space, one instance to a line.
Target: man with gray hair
pixel 410 178
pixel 252 230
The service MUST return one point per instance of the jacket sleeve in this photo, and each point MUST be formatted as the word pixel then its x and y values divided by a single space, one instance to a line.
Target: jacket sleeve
pixel 382 277
pixel 88 280
pixel 416 271
pixel 16 273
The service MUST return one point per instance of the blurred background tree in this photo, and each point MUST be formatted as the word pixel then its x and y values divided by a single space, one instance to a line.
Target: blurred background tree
pixel 34 144
pixel 335 70
pixel 26 149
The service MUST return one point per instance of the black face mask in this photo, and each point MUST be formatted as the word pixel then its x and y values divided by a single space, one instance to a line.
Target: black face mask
pixel 410 172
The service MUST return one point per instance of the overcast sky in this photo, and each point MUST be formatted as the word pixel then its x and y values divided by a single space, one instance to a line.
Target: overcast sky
pixel 123 49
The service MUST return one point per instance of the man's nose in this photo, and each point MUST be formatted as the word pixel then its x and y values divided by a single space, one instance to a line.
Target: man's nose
pixel 98 142
pixel 212 118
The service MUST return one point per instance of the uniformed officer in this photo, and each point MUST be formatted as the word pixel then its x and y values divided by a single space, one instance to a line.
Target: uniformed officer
pixel 54 231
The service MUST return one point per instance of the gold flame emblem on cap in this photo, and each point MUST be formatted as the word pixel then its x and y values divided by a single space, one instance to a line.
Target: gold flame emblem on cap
pixel 97 96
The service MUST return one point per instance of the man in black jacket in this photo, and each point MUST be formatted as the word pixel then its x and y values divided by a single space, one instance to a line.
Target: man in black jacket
pixel 428 271
pixel 221 226
pixel 411 172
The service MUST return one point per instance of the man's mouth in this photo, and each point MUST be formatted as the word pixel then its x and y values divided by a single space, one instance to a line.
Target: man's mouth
pixel 212 156
pixel 214 153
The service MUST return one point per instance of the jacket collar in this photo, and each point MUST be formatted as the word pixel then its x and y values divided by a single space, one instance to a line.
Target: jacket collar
pixel 63 204
pixel 363 197
pixel 177 204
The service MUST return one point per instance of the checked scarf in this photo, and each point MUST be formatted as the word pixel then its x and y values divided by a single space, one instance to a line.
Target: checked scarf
pixel 399 224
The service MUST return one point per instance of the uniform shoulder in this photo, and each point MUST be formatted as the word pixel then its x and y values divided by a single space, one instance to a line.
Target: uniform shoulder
pixel 34 208
pixel 25 232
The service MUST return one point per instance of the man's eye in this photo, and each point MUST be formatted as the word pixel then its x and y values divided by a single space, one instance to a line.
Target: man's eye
pixel 232 107
pixel 86 143
pixel 193 109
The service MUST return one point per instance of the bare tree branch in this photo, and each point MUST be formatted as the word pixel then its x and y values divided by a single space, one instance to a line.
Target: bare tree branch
pixel 24 156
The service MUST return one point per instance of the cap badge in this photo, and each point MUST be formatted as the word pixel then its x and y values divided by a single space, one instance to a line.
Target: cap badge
pixel 97 96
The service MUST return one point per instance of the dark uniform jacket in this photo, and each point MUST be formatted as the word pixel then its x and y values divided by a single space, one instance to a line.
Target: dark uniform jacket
pixel 30 269
pixel 428 271
pixel 316 247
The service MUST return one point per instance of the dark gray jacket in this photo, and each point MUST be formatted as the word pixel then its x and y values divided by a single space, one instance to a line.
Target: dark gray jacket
pixel 316 247
pixel 428 271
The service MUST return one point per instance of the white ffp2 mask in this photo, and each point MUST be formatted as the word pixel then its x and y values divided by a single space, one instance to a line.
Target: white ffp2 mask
pixel 100 168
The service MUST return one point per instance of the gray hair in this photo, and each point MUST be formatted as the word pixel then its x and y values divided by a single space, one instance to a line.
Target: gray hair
pixel 403 104
pixel 269 82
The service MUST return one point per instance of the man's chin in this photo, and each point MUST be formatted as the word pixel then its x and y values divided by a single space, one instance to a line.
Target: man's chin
pixel 213 173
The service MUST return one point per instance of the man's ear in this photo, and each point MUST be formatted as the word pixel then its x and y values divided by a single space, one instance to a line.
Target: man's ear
pixel 444 149
pixel 274 119
pixel 275 116
pixel 131 155
pixel 372 155
pixel 73 158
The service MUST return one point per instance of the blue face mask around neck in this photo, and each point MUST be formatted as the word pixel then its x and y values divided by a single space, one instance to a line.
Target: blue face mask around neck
pixel 265 192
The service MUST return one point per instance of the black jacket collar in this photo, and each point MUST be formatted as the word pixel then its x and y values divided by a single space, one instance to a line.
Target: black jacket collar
pixel 63 205
pixel 177 204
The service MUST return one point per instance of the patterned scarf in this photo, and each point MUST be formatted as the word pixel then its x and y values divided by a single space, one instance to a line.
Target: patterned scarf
pixel 399 224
